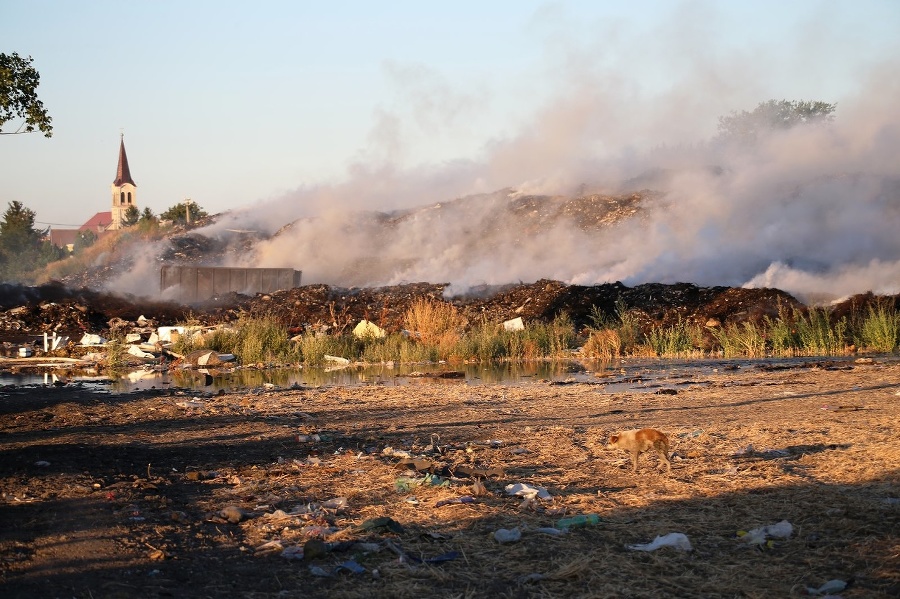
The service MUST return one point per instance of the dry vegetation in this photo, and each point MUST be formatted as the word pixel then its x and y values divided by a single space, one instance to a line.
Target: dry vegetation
pixel 165 494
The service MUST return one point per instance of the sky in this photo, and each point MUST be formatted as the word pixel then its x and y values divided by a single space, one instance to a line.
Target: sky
pixel 289 109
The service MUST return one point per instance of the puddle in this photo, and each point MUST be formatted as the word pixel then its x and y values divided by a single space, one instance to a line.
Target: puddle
pixel 213 381
pixel 621 376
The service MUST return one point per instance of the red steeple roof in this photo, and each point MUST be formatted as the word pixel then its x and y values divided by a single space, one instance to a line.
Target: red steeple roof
pixel 123 174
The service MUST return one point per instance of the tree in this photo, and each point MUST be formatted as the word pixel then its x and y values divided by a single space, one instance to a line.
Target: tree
pixel 148 223
pixel 84 239
pixel 147 215
pixel 22 247
pixel 17 230
pixel 132 214
pixel 773 115
pixel 179 213
pixel 18 96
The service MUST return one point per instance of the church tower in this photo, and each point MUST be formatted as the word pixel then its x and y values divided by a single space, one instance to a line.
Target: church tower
pixel 124 190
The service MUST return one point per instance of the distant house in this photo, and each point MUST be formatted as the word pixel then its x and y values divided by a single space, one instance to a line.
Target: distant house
pixel 63 238
pixel 124 195
pixel 98 223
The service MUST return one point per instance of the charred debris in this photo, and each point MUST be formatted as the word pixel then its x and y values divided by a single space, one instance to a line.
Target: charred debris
pixel 28 312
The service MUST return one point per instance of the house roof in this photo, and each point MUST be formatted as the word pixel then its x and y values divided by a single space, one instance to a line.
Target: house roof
pixel 123 173
pixel 98 222
pixel 63 237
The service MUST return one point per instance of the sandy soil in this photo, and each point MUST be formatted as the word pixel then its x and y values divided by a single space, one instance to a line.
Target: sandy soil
pixel 173 494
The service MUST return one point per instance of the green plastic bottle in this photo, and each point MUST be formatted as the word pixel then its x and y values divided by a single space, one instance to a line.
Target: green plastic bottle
pixel 579 521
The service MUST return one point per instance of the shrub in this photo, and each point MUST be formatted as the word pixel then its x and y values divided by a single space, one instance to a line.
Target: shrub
pixel 435 323
pixel 818 336
pixel 880 329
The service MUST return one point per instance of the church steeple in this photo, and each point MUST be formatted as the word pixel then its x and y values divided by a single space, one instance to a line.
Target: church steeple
pixel 124 189
pixel 123 173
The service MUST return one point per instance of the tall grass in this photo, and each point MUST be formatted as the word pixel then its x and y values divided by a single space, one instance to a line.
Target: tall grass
pixel 436 324
pixel 678 340
pixel 612 337
pixel 744 339
pixel 880 329
pixel 818 336
pixel 252 339
pixel 438 332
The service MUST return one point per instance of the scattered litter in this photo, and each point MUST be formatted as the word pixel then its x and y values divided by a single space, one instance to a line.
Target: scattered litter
pixel 758 536
pixel 553 532
pixel 293 552
pixel 335 504
pixel 527 491
pixel 673 539
pixel 90 339
pixel 137 352
pixel 504 535
pixel 376 523
pixel 337 360
pixel 438 559
pixel 397 453
pixel 579 521
pixel 192 403
pixel 318 571
pixel 829 588
pixel 350 566
pixel 516 324
pixel 366 329
pixel 465 499
pixel 269 546
pixel 42 463
pixel 405 483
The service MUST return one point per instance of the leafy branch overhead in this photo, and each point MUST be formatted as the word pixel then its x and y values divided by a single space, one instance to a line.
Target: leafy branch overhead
pixel 18 96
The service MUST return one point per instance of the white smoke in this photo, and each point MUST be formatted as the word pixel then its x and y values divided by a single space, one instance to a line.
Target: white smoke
pixel 813 210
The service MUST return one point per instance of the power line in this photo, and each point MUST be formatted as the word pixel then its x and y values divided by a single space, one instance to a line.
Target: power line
pixel 56 224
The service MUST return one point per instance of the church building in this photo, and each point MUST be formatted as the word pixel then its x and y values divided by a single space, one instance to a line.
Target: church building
pixel 124 195
pixel 124 190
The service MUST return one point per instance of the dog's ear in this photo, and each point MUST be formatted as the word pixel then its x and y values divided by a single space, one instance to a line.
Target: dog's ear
pixel 613 438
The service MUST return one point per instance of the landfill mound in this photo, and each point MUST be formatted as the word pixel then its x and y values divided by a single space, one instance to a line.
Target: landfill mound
pixel 54 308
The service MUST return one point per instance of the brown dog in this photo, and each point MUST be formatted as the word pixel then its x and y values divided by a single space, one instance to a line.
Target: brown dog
pixel 639 441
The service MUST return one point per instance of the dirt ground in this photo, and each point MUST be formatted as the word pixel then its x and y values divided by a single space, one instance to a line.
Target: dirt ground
pixel 302 492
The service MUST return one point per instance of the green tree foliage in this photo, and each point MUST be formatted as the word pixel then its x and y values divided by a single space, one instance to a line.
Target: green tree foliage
pixel 131 217
pixel 22 247
pixel 148 223
pixel 84 239
pixel 18 96
pixel 771 116
pixel 179 213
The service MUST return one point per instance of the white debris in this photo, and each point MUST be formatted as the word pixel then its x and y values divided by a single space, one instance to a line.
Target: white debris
pixel 516 324
pixel 758 536
pixel 527 491
pixel 673 539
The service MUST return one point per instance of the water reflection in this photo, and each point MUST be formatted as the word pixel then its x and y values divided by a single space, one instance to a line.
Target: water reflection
pixel 621 376
pixel 251 378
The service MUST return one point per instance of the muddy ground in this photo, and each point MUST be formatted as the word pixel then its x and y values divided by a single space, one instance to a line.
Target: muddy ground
pixel 302 492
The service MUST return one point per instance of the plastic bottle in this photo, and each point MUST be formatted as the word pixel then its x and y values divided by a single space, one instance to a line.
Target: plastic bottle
pixel 579 521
